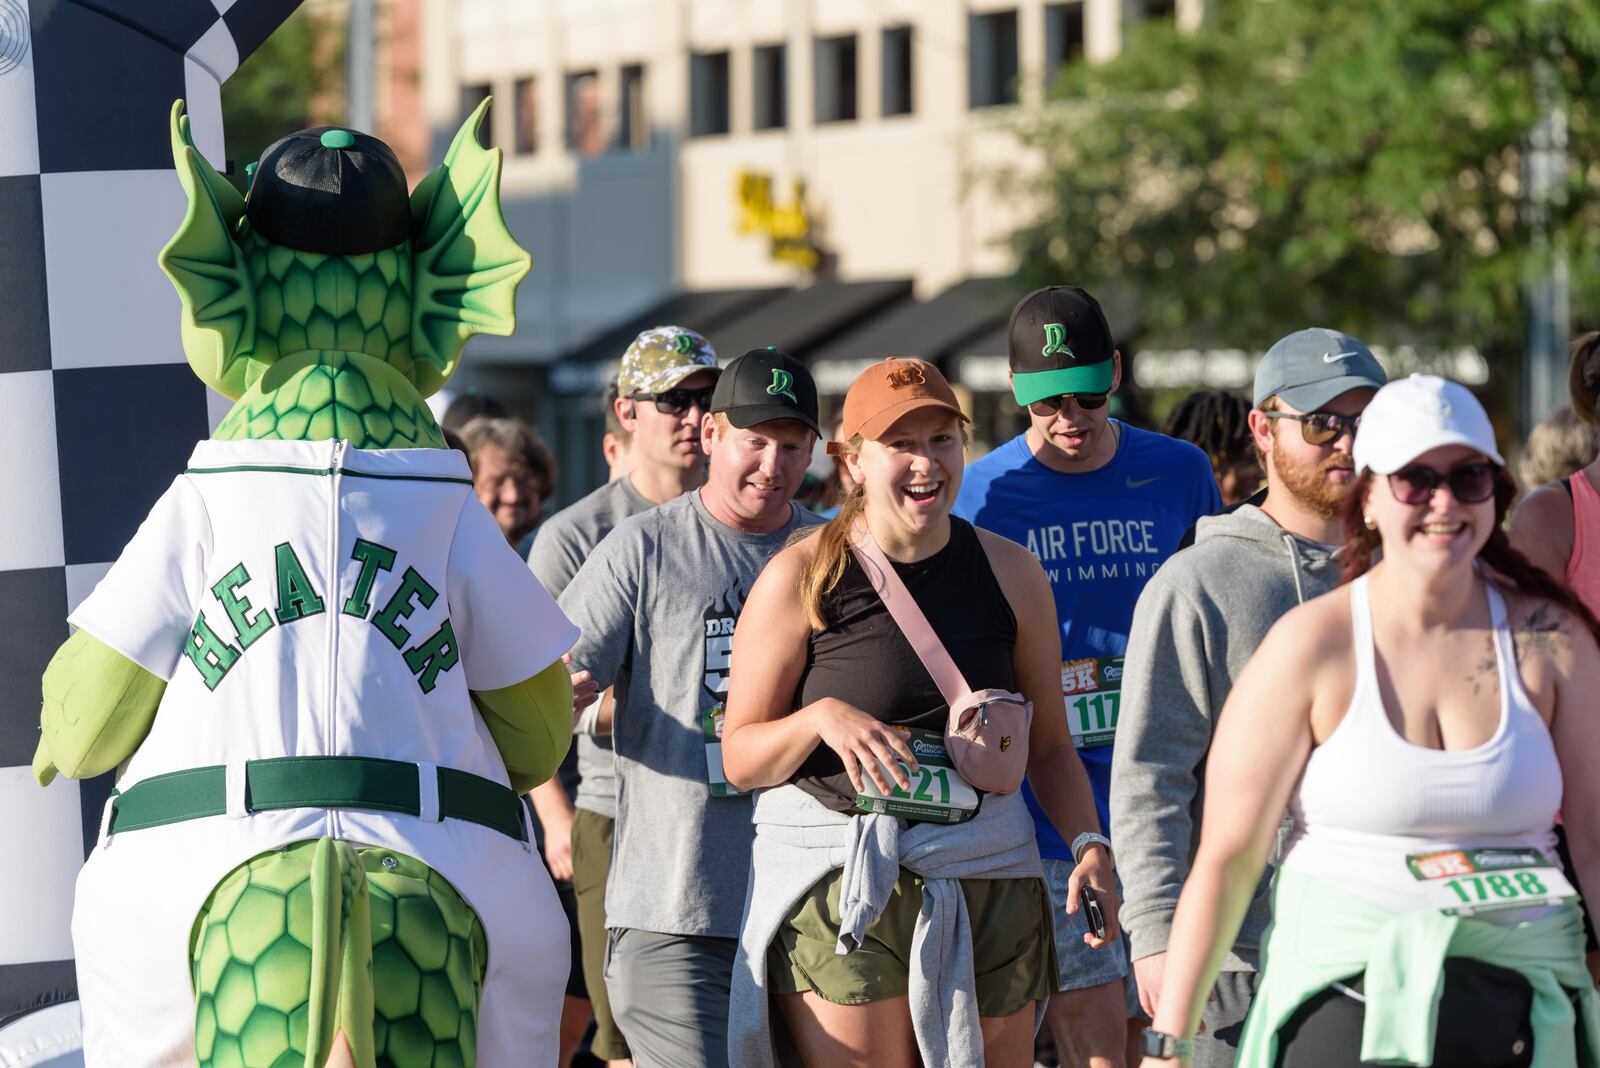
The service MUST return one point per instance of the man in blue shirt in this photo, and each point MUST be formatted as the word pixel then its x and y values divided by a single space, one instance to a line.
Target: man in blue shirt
pixel 1102 505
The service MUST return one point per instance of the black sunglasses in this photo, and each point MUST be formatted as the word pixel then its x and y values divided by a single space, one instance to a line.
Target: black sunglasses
pixel 1470 483
pixel 1086 401
pixel 678 401
pixel 1320 428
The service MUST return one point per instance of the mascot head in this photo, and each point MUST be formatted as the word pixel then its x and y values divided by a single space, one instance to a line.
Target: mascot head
pixel 328 303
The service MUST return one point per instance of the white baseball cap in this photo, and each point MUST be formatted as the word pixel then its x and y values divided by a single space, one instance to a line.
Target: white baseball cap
pixel 1410 416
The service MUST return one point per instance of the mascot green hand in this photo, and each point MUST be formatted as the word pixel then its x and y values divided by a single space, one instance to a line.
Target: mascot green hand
pixel 321 672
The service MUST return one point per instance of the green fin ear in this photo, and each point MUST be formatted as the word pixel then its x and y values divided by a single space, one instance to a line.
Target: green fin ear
pixel 207 267
pixel 467 263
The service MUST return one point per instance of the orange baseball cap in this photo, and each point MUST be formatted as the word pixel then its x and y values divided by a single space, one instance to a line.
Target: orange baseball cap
pixel 890 389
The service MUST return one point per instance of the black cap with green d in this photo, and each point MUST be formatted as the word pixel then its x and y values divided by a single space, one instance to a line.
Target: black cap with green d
pixel 1060 343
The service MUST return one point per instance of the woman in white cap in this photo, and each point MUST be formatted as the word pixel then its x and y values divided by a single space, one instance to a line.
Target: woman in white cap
pixel 1422 724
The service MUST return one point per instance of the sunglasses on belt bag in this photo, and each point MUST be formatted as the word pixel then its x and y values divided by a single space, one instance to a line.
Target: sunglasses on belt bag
pixel 985 743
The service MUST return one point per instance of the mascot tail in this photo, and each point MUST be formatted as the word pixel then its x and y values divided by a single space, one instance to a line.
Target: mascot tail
pixel 325 955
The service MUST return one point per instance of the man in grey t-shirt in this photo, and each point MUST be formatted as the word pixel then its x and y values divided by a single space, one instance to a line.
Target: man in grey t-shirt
pixel 656 603
pixel 661 396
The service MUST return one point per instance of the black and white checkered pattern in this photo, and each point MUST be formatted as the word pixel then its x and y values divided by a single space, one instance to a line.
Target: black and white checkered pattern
pixel 98 410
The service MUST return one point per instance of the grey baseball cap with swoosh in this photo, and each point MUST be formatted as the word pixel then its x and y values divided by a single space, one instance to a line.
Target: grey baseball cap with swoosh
pixel 1311 367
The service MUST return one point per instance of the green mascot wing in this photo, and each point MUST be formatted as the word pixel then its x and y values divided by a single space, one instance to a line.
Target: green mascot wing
pixel 467 264
pixel 208 269
pixel 98 706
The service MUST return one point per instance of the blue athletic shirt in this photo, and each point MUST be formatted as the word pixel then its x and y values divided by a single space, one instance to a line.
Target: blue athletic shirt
pixel 1100 536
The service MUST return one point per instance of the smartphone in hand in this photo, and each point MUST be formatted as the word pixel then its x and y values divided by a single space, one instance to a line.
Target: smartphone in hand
pixel 1091 911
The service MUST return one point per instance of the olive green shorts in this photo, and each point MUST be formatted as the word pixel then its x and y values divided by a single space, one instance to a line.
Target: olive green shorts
pixel 1013 949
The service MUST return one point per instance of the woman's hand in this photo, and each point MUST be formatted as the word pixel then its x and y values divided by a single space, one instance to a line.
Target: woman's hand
pixel 1094 871
pixel 863 742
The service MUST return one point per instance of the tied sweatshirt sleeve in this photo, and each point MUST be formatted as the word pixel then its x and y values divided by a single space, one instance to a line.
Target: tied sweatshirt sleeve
pixel 1163 732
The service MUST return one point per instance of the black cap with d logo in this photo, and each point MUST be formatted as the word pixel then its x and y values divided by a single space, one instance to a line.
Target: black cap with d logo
pixel 1060 343
pixel 766 384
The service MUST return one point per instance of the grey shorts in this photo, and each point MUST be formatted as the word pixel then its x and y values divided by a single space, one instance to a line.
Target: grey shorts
pixel 669 994
pixel 1081 966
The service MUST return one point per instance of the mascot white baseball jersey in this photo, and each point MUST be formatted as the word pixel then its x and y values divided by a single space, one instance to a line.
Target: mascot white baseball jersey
pixel 310 600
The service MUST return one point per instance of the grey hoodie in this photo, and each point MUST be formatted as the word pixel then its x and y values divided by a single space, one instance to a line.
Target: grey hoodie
pixel 1196 624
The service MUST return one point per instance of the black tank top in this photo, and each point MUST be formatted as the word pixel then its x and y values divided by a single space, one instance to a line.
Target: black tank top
pixel 864 659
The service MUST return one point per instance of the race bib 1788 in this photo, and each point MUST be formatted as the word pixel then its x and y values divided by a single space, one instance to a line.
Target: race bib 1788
pixel 1465 881
pixel 938 793
pixel 1093 692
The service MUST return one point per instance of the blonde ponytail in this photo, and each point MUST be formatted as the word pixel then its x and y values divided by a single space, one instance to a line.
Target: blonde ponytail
pixel 827 565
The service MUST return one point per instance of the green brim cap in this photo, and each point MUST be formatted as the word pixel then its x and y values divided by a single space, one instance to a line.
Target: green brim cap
pixel 1059 343
pixel 1037 385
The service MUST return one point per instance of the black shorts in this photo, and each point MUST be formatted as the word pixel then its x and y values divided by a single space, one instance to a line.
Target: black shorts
pixel 1483 1022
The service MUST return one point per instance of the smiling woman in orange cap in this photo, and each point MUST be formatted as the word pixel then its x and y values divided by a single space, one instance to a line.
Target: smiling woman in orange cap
pixel 883 880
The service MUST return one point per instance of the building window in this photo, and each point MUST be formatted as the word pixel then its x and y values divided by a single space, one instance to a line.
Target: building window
pixel 586 133
pixel 992 58
pixel 708 94
pixel 771 96
pixel 898 98
pixel 471 97
pixel 1063 36
pixel 633 122
pixel 835 73
pixel 525 104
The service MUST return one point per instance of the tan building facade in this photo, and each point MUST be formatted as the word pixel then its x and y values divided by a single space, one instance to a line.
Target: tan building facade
pixel 657 146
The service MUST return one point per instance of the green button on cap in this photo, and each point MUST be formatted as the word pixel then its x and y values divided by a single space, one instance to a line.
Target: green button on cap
pixel 337 139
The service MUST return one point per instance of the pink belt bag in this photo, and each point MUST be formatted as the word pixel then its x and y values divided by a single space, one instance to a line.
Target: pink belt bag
pixel 986 735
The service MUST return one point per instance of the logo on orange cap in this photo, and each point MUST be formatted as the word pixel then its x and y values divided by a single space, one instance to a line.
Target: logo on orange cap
pixel 904 377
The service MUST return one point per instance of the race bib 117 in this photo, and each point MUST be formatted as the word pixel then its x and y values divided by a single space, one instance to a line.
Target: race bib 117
pixel 1092 689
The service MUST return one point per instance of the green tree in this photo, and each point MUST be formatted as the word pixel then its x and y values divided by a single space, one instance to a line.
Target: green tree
pixel 1354 164
pixel 294 80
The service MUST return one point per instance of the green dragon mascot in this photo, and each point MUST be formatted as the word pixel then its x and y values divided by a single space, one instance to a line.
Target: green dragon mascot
pixel 321 672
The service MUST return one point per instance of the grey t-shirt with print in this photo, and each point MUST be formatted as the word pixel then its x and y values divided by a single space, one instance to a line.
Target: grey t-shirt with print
pixel 563 543
pixel 656 604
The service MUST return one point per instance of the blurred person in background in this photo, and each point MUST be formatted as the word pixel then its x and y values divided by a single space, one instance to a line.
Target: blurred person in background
pixel 1557 526
pixel 616 444
pixel 663 390
pixel 1561 445
pixel 468 406
pixel 513 473
pixel 1218 421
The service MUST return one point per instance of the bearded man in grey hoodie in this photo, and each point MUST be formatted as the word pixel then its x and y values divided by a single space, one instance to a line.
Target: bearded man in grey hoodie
pixel 1196 624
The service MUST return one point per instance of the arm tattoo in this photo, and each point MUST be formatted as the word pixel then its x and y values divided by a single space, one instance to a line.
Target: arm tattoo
pixel 1542 633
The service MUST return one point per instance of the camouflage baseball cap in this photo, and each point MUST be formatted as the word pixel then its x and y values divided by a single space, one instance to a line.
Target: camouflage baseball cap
pixel 661 357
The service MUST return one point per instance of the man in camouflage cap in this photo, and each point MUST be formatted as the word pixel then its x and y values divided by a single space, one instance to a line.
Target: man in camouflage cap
pixel 663 391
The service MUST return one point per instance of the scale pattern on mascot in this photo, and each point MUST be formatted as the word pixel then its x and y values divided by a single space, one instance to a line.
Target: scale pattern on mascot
pixel 325 675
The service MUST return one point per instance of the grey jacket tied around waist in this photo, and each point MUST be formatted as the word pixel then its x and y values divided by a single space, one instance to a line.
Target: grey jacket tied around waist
pixel 798 842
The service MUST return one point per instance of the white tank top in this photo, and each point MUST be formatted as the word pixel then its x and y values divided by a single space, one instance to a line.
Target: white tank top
pixel 1369 798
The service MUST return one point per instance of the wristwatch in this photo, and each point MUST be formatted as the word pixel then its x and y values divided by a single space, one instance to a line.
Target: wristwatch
pixel 1153 1043
pixel 1087 839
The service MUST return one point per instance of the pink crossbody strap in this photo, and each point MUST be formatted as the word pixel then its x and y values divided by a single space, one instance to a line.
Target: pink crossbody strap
pixel 903 609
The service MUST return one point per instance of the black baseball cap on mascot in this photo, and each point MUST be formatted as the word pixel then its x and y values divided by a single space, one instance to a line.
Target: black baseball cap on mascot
pixel 330 190
pixel 766 384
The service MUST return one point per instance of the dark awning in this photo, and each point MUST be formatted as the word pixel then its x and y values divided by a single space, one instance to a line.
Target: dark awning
pixel 589 367
pixel 803 320
pixel 930 329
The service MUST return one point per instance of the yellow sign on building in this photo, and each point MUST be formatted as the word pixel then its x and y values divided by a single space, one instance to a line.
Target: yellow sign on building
pixel 787 226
